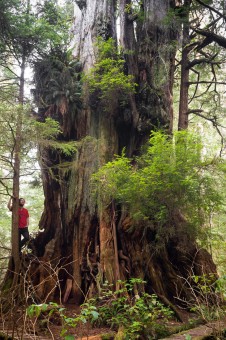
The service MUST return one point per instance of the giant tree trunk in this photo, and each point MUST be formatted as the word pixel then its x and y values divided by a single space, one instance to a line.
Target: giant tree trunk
pixel 90 241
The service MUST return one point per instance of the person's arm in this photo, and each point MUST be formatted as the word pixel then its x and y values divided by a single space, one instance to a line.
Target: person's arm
pixel 28 221
pixel 10 204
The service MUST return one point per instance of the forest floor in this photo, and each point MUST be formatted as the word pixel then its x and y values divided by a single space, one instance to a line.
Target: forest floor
pixel 52 330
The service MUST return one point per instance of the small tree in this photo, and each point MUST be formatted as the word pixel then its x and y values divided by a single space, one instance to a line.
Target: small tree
pixel 25 31
pixel 201 61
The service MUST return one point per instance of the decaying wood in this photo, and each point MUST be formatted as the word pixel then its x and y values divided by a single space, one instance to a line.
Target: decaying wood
pixel 68 290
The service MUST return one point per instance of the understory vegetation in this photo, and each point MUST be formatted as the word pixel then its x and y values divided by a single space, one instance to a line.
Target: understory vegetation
pixel 172 175
pixel 130 315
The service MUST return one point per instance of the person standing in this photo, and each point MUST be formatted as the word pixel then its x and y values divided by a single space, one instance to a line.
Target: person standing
pixel 23 222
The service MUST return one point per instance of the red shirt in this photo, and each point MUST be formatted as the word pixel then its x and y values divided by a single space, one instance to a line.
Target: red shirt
pixel 23 216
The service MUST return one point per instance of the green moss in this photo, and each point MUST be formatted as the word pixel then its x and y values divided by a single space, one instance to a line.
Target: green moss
pixel 108 336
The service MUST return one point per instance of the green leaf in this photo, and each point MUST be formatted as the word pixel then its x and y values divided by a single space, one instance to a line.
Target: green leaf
pixel 69 337
pixel 44 307
pixel 95 314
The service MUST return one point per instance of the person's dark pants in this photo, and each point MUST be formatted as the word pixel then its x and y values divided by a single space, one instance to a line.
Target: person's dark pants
pixel 23 232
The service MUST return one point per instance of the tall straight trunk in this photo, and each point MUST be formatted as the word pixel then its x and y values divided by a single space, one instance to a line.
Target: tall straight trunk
pixel 17 161
pixel 19 54
pixel 90 241
pixel 16 175
pixel 184 83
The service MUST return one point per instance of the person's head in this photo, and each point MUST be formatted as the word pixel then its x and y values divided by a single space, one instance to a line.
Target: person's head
pixel 21 202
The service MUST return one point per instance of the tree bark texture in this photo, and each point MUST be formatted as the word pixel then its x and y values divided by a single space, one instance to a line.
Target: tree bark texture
pixel 90 242
pixel 184 84
pixel 16 177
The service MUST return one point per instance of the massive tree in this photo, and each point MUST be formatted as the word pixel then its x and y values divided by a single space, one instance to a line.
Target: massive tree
pixel 91 242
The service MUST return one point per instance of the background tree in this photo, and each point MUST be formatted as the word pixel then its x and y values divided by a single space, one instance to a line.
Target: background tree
pixel 202 61
pixel 24 32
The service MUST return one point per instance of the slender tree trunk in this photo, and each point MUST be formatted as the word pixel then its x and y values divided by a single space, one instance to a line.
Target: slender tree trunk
pixel 184 84
pixel 12 277
pixel 16 176
pixel 17 164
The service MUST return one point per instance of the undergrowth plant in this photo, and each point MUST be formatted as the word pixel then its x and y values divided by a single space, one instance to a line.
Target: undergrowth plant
pixel 209 293
pixel 135 314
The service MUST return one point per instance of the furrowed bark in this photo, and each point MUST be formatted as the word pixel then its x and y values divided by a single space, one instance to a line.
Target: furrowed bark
pixel 91 240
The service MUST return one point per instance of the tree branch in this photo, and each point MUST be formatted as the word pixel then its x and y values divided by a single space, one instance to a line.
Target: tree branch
pixel 213 120
pixel 210 37
pixel 206 82
pixel 211 9
pixel 203 60
pixel 196 87
pixel 194 111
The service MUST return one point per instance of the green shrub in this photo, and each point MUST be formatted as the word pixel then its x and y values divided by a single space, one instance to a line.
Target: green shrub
pixel 138 315
pixel 171 178
pixel 107 77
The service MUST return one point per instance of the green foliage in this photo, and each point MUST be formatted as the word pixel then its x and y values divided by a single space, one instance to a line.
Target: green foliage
pixel 112 176
pixel 209 295
pixel 188 337
pixel 137 315
pixel 33 133
pixel 107 76
pixel 8 116
pixel 133 7
pixel 88 315
pixel 44 313
pixel 36 310
pixel 176 16
pixel 220 285
pixel 172 175
pixel 58 82
pixel 26 32
pixel 26 29
pixel 135 10
pixel 47 130
pixel 46 134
